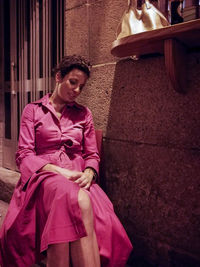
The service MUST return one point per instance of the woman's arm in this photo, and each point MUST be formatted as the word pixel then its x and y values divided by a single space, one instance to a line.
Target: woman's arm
pixel 90 154
pixel 26 159
pixel 86 178
pixel 69 174
pixel 90 150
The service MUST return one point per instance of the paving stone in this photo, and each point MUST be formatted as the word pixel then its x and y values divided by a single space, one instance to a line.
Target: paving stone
pixel 8 181
pixel 3 211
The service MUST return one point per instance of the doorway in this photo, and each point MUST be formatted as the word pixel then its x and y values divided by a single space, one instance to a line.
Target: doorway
pixel 32 34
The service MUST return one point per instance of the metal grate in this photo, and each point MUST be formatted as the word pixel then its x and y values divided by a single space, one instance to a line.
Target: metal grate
pixel 40 46
pixel 32 43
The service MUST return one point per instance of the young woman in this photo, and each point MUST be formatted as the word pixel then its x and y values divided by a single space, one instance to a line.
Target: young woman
pixel 57 209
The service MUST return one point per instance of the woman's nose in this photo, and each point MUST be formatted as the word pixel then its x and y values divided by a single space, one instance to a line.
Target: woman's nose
pixel 77 89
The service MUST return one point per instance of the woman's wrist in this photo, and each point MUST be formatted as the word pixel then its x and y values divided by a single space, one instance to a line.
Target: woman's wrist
pixel 50 167
pixel 92 172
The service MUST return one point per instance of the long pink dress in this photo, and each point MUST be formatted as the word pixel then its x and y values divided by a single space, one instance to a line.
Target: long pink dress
pixel 44 207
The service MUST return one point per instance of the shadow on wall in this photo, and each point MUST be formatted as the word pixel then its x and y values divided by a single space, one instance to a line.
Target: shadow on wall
pixel 152 159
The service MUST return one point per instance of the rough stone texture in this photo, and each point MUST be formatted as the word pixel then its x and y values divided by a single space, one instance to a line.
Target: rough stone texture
pixel 104 17
pixel 8 181
pixel 74 3
pixel 1 143
pixel 76 31
pixel 150 110
pixel 3 210
pixel 1 103
pixel 1 152
pixel 152 157
pixel 151 138
pixel 1 123
pixel 155 191
pixel 97 94
pixel 90 28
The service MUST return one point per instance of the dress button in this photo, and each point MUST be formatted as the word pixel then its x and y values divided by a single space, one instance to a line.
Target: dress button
pixel 69 143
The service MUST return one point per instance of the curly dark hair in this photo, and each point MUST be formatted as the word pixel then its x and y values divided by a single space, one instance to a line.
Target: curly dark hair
pixel 68 63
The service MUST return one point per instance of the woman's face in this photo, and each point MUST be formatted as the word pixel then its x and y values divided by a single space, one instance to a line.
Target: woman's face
pixel 69 87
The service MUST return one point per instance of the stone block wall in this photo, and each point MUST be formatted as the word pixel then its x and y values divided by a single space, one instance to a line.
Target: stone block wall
pixel 1 143
pixel 1 125
pixel 151 136
pixel 1 100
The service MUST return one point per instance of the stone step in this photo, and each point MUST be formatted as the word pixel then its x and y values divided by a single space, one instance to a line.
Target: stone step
pixel 3 210
pixel 8 181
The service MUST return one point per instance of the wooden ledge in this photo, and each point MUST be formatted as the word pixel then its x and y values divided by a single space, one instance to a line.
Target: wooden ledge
pixel 172 41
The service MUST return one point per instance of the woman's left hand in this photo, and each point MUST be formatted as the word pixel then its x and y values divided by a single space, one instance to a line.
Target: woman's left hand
pixel 86 178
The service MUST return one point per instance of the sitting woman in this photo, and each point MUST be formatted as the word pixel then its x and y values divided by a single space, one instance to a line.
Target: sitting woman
pixel 57 209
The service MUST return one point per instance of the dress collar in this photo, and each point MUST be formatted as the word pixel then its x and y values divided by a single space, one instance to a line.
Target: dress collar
pixel 45 102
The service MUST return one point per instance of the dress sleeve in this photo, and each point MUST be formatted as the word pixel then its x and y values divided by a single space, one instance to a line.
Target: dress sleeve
pixel 26 159
pixel 90 151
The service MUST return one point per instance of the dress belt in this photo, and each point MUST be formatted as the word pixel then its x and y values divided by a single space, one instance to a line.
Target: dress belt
pixel 61 148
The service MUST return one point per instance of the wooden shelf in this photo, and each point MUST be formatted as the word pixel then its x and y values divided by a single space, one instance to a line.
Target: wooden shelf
pixel 172 41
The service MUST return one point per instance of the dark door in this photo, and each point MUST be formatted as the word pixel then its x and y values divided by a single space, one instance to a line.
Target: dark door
pixel 32 35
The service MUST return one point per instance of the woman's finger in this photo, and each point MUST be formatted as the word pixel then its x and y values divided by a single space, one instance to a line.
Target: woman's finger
pixel 87 186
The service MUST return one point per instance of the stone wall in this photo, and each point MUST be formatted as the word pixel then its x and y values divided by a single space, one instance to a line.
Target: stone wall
pixel 151 137
pixel 1 143
pixel 1 93
pixel 1 123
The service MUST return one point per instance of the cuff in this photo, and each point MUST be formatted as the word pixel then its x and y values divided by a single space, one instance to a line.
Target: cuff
pixel 93 164
pixel 30 165
pixel 95 176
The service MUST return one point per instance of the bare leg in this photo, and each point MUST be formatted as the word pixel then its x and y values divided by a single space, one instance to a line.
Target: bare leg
pixel 85 252
pixel 58 255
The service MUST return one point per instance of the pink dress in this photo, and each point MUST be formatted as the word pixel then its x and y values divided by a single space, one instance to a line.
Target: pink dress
pixel 44 207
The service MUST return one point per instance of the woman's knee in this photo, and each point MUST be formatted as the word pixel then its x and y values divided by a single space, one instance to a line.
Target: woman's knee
pixel 84 202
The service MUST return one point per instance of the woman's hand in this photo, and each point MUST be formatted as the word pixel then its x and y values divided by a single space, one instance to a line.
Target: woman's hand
pixel 86 178
pixel 83 179
pixel 69 174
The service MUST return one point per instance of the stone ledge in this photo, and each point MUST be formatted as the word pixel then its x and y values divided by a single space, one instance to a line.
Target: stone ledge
pixel 3 210
pixel 8 181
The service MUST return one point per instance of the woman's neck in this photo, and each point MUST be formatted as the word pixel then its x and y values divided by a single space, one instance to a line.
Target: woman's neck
pixel 56 102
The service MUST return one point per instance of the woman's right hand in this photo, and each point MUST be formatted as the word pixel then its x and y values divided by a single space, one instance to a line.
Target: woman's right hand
pixel 69 174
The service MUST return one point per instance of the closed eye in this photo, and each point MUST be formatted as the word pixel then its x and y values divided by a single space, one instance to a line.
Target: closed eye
pixel 73 82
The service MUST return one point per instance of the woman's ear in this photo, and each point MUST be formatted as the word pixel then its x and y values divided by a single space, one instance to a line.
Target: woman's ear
pixel 58 77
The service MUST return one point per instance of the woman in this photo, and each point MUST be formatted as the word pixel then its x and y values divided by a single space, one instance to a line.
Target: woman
pixel 57 209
